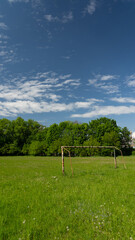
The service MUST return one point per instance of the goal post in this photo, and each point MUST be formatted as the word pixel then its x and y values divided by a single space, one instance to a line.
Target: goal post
pixel 100 147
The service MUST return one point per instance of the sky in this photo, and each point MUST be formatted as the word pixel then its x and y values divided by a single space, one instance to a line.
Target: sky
pixel 66 60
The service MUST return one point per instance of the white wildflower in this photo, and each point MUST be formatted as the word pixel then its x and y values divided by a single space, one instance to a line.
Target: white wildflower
pixel 67 228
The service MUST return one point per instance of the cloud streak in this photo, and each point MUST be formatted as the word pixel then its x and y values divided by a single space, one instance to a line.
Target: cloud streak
pixel 64 19
pixel 3 26
pixel 103 82
pixel 105 111
pixel 37 93
pixel 131 80
pixel 41 85
pixel 91 7
pixel 14 1
pixel 123 100
pixel 28 106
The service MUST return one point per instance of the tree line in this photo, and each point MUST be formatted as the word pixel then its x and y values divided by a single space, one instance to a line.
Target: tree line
pixel 20 137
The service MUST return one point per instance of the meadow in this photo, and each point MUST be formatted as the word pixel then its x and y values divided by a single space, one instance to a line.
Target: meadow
pixel 38 203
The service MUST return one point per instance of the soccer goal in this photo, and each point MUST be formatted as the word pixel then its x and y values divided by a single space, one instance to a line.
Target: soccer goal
pixel 66 148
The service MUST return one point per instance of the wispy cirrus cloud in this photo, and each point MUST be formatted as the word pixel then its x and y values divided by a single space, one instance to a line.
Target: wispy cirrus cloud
pixel 40 93
pixel 22 106
pixel 67 17
pixel 66 57
pixel 51 18
pixel 105 111
pixel 91 7
pixel 131 80
pixel 123 99
pixel 64 19
pixel 107 77
pixel 14 1
pixel 88 103
pixel 7 52
pixel 41 85
pixel 103 82
pixel 36 4
pixel 3 26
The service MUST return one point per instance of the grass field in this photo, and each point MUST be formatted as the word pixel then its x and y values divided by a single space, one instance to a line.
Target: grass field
pixel 38 203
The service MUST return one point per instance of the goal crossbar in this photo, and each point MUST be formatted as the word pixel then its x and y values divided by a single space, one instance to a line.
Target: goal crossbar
pixel 109 147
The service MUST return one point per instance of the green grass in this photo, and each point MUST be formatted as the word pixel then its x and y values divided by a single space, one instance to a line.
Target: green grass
pixel 38 203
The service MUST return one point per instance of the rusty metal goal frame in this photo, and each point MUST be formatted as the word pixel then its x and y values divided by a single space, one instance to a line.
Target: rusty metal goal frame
pixel 108 147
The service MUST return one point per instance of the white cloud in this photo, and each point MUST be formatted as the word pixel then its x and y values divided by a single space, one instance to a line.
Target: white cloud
pixel 37 94
pixel 131 80
pixel 108 77
pixel 68 83
pixel 131 83
pixel 3 26
pixel 33 106
pixel 14 1
pixel 123 100
pixel 66 57
pixel 92 82
pixel 67 17
pixel 1 67
pixel 109 88
pixel 50 18
pixel 87 103
pixel 91 7
pixel 65 76
pixel 28 106
pixel 36 90
pixel 64 19
pixel 3 36
pixel 105 111
pixel 103 82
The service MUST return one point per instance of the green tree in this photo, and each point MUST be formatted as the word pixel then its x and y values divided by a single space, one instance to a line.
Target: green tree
pixel 20 135
pixel 52 134
pixel 37 148
pixel 125 141
pixel 92 142
pixel 98 127
pixel 55 148
pixel 5 135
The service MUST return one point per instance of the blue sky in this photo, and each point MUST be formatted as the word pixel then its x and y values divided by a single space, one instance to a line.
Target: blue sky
pixel 68 60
